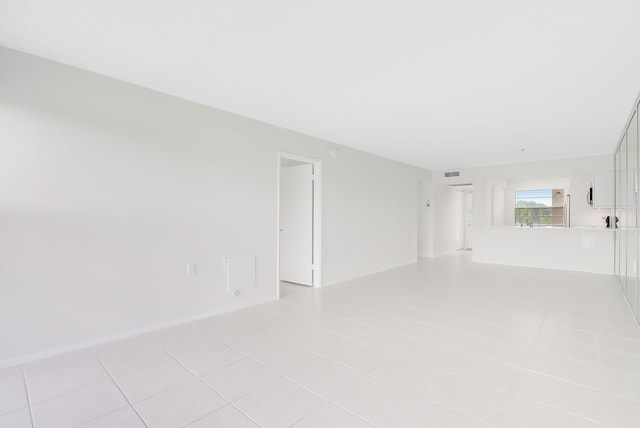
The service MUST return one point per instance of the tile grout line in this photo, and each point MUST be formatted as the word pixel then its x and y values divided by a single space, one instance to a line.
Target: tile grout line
pixel 199 379
pixel 102 416
pixel 350 412
pixel 617 351
pixel 283 377
pixel 171 357
pixel 507 364
pixel 379 380
pixel 290 341
pixel 204 374
pixel 257 389
pixel 462 318
pixel 455 411
pixel 298 320
pixel 393 355
pixel 119 389
pixel 327 399
pixel 307 415
pixel 581 385
pixel 487 359
pixel 229 404
pixel 72 390
pixel 194 375
pixel 26 390
pixel 248 416
pixel 441 370
pixel 420 339
pixel 560 410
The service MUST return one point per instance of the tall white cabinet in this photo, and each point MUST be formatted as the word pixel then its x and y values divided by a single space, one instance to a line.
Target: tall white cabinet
pixel 627 235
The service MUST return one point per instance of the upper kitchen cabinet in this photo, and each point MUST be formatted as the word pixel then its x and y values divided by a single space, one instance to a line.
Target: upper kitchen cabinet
pixel 603 189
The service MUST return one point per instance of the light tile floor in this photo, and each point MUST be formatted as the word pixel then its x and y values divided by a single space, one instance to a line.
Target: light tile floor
pixel 441 343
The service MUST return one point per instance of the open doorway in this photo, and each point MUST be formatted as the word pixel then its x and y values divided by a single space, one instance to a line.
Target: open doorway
pixel 299 221
pixel 468 217
pixel 464 216
pixel 425 244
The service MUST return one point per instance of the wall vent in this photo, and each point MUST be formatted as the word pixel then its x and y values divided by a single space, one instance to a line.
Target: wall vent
pixel 452 174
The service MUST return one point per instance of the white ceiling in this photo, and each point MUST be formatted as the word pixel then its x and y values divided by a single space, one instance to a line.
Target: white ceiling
pixel 439 84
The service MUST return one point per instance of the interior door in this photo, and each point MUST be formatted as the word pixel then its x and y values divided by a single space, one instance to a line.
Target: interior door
pixel 296 224
pixel 468 218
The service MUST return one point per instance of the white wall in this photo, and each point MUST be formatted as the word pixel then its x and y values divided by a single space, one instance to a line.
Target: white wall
pixel 108 190
pixel 498 198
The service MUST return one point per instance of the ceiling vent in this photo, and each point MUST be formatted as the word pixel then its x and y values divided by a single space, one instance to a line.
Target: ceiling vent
pixel 452 174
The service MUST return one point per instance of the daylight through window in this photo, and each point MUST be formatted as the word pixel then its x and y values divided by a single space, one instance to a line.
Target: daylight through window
pixel 539 208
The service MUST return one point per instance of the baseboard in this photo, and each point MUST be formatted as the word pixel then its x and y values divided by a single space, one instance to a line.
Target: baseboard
pixel 364 275
pixel 446 253
pixel 120 336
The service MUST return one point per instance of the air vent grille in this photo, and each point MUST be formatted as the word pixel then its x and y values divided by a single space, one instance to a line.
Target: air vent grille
pixel 452 174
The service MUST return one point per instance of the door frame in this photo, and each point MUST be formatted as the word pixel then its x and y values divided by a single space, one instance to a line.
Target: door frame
pixel 464 189
pixel 468 229
pixel 317 217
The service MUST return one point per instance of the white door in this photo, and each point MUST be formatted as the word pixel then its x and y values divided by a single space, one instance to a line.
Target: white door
pixel 296 224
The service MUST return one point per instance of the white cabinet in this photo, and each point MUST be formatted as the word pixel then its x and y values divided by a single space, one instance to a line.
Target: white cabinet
pixel 603 189
pixel 627 210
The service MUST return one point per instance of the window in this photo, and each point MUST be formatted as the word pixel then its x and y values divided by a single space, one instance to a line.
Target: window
pixel 540 208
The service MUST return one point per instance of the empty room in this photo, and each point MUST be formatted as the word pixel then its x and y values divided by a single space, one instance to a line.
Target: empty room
pixel 360 214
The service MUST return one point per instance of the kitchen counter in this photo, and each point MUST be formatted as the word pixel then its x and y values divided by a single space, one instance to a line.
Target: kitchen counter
pixel 579 226
pixel 579 248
